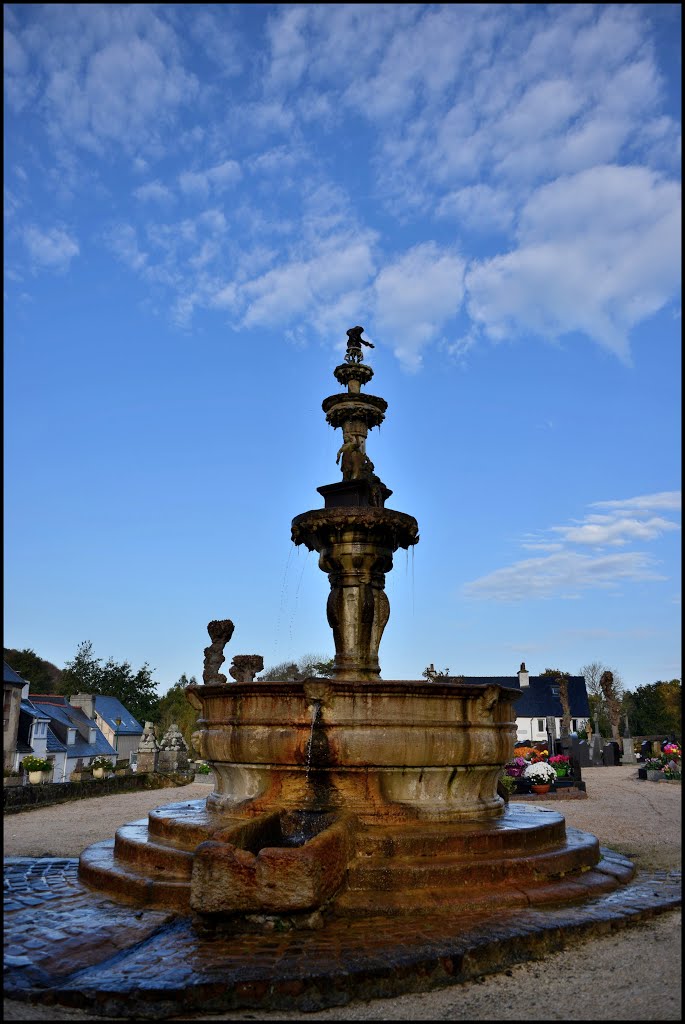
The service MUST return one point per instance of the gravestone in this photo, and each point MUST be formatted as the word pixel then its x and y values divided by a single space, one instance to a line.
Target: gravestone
pixel 551 723
pixel 596 746
pixel 628 756
pixel 611 754
pixel 583 753
pixel 646 749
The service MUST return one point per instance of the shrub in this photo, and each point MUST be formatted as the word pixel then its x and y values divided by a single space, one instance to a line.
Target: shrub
pixel 102 762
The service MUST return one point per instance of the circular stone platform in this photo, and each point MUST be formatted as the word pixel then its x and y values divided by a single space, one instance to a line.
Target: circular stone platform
pixel 66 944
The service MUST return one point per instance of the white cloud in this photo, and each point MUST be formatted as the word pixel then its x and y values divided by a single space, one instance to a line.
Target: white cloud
pixel 53 249
pixel 598 252
pixel 153 191
pixel 415 296
pixel 123 241
pixel 479 207
pixel 564 574
pixel 217 178
pixel 666 500
pixel 601 530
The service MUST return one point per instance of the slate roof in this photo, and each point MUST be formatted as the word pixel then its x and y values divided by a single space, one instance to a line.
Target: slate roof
pixel 10 676
pixel 538 700
pixel 53 744
pixel 63 716
pixel 111 708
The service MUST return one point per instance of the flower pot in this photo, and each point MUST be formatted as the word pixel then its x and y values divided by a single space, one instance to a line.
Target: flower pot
pixel 540 789
pixel 98 773
pixel 35 778
pixel 654 776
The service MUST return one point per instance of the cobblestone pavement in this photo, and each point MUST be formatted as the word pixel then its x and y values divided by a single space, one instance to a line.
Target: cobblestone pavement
pixel 68 945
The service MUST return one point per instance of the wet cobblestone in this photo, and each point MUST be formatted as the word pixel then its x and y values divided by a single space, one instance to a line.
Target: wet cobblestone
pixel 66 944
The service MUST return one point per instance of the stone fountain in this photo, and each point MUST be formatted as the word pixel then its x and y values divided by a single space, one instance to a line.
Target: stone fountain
pixel 350 794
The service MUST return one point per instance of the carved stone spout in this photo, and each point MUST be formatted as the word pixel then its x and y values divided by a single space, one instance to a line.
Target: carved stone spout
pixel 220 632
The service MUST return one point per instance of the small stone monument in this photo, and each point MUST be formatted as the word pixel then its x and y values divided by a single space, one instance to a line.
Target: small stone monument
pixel 245 667
pixel 148 750
pixel 173 751
pixel 645 749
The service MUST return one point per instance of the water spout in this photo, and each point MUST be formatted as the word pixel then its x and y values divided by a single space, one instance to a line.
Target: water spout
pixel 317 704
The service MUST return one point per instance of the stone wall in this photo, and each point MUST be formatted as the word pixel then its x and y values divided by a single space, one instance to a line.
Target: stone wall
pixel 25 798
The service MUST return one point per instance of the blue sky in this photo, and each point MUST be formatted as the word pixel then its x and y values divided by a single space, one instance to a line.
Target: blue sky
pixel 199 201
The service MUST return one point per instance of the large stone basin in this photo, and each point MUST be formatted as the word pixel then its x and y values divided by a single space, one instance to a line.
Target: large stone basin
pixel 385 750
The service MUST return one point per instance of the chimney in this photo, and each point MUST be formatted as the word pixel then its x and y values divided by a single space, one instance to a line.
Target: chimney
pixel 523 675
pixel 85 701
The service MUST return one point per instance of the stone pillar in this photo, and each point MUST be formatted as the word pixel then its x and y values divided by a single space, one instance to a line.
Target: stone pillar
pixel 628 752
pixel 148 750
pixel 173 751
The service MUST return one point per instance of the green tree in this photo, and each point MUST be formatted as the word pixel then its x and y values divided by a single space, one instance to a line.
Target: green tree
pixel 137 691
pixel 655 709
pixel 83 673
pixel 174 706
pixel 42 675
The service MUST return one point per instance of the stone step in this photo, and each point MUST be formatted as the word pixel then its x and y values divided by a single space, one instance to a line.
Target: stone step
pixel 512 835
pixel 99 869
pixel 576 887
pixel 139 851
pixel 579 852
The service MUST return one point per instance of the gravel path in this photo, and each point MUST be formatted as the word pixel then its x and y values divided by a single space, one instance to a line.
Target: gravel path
pixel 631 975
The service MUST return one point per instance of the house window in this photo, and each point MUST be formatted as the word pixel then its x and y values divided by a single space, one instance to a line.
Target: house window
pixel 574 724
pixel 541 725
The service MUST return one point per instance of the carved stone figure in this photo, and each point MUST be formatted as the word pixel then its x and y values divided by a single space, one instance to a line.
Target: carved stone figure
pixel 352 460
pixel 245 667
pixel 173 751
pixel 220 632
pixel 354 345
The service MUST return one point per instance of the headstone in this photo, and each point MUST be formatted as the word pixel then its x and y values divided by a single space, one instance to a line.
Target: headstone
pixel 571 747
pixel 551 723
pixel 597 746
pixel 611 754
pixel 628 756
pixel 645 749
pixel 584 754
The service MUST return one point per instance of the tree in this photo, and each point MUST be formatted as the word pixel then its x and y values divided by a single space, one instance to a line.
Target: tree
pixel 174 706
pixel 293 671
pixel 606 700
pixel 136 690
pixel 612 701
pixel 42 675
pixel 655 709
pixel 83 673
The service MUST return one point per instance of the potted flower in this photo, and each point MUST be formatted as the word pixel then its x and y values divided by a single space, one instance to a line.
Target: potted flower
pixel 100 765
pixel 541 775
pixel 561 764
pixel 35 766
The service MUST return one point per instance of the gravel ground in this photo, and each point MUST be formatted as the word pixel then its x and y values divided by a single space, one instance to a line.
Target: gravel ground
pixel 631 975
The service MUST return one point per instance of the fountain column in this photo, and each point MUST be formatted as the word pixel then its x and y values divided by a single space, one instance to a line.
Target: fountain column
pixel 354 534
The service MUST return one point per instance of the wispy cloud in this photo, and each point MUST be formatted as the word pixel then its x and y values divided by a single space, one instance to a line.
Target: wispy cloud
pixel 51 249
pixel 566 572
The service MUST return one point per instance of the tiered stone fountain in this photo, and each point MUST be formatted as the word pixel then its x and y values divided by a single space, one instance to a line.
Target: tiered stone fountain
pixel 353 793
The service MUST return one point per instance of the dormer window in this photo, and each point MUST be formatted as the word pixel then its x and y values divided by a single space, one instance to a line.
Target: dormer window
pixel 71 737
pixel 91 735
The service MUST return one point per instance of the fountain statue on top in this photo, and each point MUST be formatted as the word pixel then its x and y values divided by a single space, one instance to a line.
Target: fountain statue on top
pixel 354 534
pixel 352 794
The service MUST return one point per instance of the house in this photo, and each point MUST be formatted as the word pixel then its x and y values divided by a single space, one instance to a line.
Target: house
pixel 74 731
pixel 539 701
pixel 12 685
pixel 116 723
pixel 34 736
